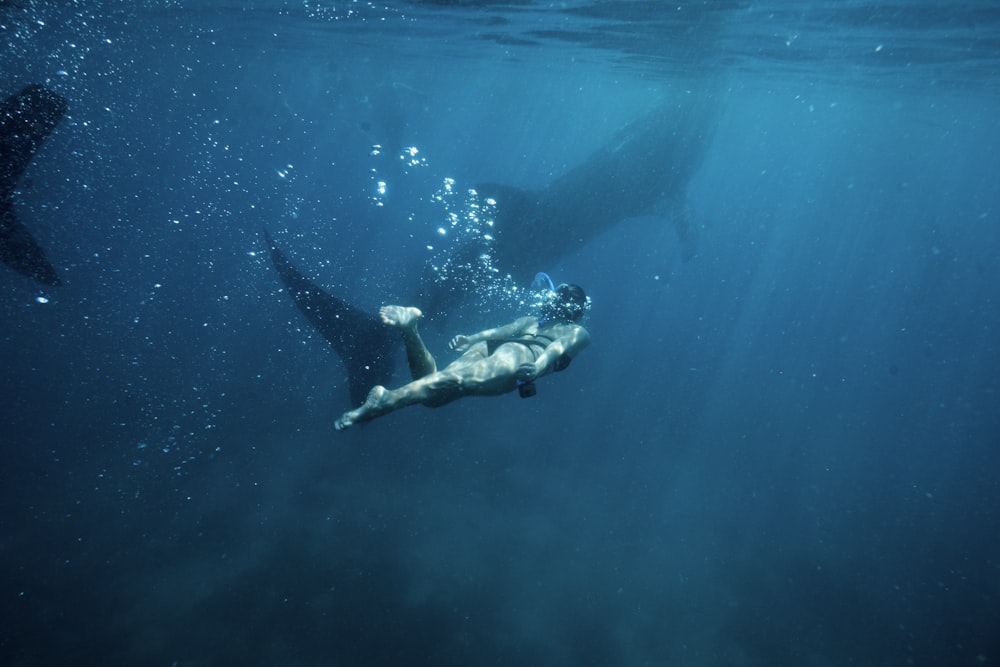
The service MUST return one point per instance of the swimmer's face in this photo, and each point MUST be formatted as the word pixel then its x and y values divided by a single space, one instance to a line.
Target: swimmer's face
pixel 568 302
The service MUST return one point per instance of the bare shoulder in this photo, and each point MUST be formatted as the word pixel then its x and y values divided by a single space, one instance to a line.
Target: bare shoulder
pixel 573 334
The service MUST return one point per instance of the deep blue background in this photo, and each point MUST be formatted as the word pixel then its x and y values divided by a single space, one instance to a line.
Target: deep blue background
pixel 783 452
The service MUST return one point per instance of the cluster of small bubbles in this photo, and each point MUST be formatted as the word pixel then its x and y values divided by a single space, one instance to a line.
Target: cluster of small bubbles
pixel 464 261
pixel 177 432
pixel 344 10
pixel 410 158
pixel 380 187
pixel 179 467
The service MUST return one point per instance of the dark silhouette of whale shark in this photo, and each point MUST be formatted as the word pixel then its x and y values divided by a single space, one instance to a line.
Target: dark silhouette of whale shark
pixel 25 120
pixel 644 170
pixel 366 346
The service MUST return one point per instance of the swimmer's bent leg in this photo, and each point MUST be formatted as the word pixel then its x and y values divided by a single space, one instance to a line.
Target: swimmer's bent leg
pixel 405 319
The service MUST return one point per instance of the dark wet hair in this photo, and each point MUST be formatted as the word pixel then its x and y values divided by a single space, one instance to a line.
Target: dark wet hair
pixel 570 303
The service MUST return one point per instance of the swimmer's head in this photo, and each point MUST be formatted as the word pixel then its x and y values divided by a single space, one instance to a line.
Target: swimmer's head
pixel 567 303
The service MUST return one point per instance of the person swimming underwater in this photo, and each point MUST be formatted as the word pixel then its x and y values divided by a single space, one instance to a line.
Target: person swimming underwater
pixel 492 362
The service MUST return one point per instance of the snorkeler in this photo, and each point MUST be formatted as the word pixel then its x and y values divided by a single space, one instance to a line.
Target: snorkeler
pixel 493 362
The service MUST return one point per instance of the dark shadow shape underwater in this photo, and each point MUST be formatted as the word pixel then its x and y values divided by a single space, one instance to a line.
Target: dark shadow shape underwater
pixel 365 345
pixel 644 170
pixel 25 120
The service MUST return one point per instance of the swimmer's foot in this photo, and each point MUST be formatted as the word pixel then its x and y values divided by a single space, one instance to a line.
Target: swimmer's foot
pixel 372 407
pixel 402 317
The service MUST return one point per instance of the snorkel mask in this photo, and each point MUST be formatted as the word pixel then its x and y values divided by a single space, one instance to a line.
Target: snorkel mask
pixel 565 303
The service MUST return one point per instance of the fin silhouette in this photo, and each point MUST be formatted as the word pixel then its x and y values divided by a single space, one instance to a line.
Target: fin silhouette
pixel 365 345
pixel 25 120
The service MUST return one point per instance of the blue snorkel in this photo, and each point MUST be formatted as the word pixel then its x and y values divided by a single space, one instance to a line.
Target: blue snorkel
pixel 543 286
pixel 542 281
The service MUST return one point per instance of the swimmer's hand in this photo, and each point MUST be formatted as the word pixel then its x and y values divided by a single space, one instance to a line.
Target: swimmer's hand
pixel 526 372
pixel 459 343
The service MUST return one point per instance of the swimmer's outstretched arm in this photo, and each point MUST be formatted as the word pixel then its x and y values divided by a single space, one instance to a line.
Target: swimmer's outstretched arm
pixel 462 343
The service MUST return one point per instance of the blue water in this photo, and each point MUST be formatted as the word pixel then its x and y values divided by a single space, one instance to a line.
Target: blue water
pixel 783 451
